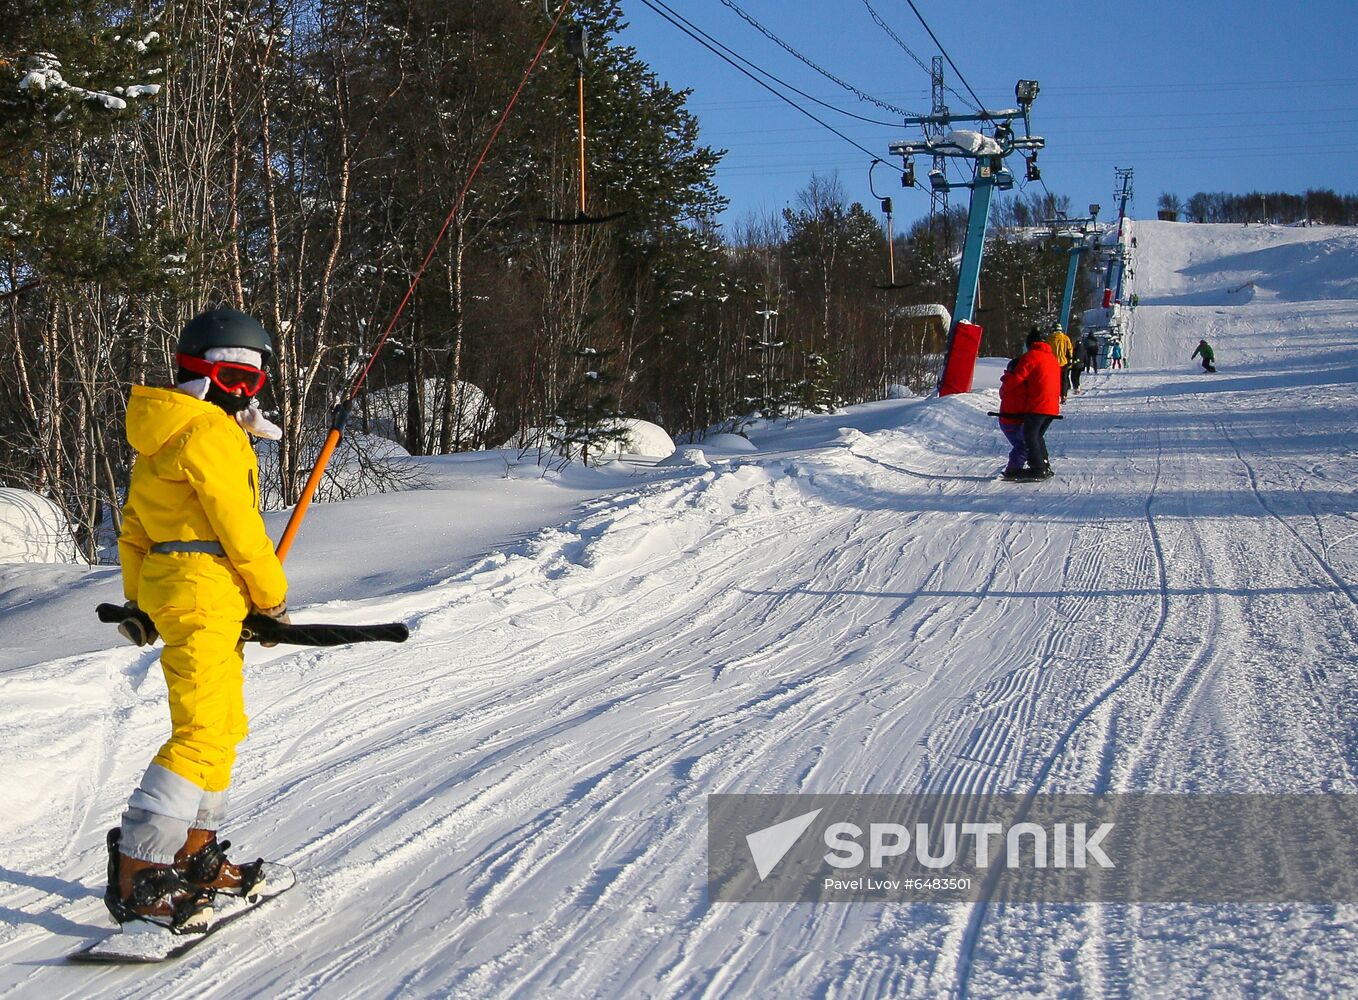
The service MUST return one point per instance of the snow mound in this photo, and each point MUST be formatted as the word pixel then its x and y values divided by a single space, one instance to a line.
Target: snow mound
pixel 362 465
pixel 33 529
pixel 734 444
pixel 687 456
pixel 388 412
pixel 851 436
pixel 646 438
pixel 641 437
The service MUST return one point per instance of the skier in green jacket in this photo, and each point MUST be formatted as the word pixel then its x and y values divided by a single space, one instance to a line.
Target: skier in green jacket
pixel 1204 350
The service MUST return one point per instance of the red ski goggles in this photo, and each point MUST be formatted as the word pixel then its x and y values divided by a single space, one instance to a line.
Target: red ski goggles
pixel 229 376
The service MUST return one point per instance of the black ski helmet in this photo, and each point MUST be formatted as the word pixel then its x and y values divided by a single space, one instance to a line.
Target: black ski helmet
pixel 223 327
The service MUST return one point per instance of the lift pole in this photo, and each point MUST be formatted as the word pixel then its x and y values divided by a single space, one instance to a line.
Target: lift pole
pixel 988 153
pixel 1076 231
pixel 1112 285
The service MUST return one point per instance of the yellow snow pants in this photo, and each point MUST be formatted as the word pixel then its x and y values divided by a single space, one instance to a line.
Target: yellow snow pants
pixel 198 603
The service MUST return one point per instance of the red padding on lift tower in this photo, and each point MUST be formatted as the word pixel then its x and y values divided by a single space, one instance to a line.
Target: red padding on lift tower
pixel 966 344
pixel 1108 298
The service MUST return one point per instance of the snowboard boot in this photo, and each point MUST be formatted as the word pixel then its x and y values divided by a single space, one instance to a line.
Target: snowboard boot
pixel 1015 472
pixel 202 862
pixel 154 893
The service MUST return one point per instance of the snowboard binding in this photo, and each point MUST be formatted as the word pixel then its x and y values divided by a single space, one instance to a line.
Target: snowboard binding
pixel 209 869
pixel 160 896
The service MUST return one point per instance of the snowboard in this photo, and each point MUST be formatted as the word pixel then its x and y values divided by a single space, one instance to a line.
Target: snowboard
pixel 142 943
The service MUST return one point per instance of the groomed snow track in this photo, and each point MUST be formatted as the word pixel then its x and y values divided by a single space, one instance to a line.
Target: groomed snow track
pixel 512 804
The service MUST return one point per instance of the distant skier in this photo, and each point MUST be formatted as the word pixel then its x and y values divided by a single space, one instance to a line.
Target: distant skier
pixel 1204 350
pixel 1115 355
pixel 196 559
pixel 1091 352
pixel 1034 394
pixel 1011 422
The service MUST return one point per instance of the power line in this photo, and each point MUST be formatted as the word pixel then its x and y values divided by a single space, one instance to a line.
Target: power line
pixel 980 105
pixel 1214 115
pixel 713 46
pixel 1098 138
pixel 1235 154
pixel 906 48
pixel 860 94
pixel 1168 87
pixel 782 83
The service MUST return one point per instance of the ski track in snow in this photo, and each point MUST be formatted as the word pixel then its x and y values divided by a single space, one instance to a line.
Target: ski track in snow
pixel 513 804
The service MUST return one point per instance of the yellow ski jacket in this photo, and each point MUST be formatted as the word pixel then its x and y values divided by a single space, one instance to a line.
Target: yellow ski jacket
pixel 1062 348
pixel 195 479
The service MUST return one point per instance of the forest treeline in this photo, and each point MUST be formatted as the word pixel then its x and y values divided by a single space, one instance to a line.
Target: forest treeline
pixel 1318 207
pixel 296 159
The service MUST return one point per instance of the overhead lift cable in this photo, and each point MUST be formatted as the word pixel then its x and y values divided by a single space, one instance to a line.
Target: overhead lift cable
pixel 881 23
pixel 712 45
pixel 758 69
pixel 980 105
pixel 860 94
pixel 341 414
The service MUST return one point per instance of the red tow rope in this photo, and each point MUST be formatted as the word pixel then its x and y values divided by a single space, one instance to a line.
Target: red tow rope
pixel 332 439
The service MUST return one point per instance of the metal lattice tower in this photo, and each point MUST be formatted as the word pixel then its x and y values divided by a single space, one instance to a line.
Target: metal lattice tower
pixel 938 203
pixel 1123 177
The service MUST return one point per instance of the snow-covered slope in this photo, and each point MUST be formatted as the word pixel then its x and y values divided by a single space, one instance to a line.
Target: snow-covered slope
pixel 512 804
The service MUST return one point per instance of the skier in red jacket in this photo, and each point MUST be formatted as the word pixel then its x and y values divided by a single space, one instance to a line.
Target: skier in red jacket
pixel 1033 392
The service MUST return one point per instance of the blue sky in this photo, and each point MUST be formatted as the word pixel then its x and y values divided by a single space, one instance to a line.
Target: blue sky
pixel 1205 95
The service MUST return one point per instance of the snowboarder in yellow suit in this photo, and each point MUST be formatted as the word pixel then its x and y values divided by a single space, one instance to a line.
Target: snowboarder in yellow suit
pixel 1065 356
pixel 196 559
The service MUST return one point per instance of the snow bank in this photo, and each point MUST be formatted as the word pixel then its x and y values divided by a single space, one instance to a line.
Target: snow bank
pixel 732 444
pixel 362 465
pixel 641 438
pixel 388 412
pixel 646 438
pixel 34 530
pixel 988 372
pixel 687 456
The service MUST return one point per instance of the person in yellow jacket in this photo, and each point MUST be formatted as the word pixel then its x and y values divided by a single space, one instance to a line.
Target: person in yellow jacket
pixel 1065 356
pixel 195 559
